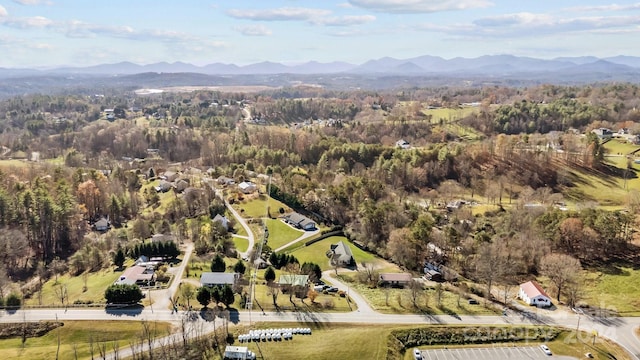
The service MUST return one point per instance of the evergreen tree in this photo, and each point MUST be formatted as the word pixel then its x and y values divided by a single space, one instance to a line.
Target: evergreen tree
pixel 217 264
pixel 239 267
pixel 270 274
pixel 119 258
pixel 226 295
pixel 203 296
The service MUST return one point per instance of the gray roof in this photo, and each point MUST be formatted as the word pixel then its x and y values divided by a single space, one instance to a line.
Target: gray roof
pixel 342 251
pixel 218 278
pixel 292 279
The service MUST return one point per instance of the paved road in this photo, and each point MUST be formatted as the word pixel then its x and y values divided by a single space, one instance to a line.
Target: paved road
pixel 363 304
pixel 247 229
pixel 161 299
pixel 617 329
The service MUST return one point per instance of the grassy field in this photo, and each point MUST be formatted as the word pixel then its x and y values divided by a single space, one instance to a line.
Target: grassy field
pixel 13 163
pixel 165 199
pixel 78 333
pixel 316 253
pixel 257 208
pixel 449 114
pixel 97 283
pixel 281 233
pixel 615 147
pixel 399 301
pixel 608 191
pixel 615 288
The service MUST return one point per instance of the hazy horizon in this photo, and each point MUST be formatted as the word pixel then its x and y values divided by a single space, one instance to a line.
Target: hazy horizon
pixel 53 33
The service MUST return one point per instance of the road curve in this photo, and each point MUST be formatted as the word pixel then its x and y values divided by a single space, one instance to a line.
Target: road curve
pixel 245 225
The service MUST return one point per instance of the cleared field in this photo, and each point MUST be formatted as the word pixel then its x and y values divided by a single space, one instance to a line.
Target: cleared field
pixel 614 288
pixel 78 334
pixel 257 207
pixel 615 147
pixel 96 284
pixel 449 114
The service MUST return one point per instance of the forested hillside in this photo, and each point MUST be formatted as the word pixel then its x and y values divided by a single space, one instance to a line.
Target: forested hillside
pixel 482 181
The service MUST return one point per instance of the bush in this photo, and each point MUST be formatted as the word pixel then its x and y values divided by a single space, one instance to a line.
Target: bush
pixel 123 294
pixel 13 300
pixel 328 304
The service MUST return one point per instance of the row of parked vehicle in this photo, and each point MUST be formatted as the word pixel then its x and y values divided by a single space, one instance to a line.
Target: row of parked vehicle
pixel 272 334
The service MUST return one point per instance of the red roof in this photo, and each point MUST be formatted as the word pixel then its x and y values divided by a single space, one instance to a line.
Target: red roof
pixel 533 289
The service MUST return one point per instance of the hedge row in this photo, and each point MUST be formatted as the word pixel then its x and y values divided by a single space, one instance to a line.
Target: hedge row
pixel 324 236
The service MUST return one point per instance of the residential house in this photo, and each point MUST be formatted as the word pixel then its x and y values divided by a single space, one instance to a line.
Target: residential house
pixel 298 284
pixel 170 176
pixel 181 185
pixel 340 255
pixel 102 225
pixel 164 186
pixel 603 133
pixel 247 187
pixel 395 279
pixel 211 279
pixel 138 275
pixel 532 293
pixel 223 180
pixel 222 220
pixel 403 144
pixel 162 238
pixel 299 221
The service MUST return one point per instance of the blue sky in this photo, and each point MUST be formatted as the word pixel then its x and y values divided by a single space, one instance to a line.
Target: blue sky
pixel 45 33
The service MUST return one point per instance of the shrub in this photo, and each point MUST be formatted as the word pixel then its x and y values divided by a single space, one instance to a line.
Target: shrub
pixel 328 304
pixel 123 294
pixel 13 300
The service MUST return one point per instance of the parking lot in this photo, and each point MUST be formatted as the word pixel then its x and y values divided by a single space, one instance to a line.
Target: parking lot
pixel 493 353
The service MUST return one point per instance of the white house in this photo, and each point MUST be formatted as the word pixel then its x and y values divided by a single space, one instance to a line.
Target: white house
pixel 532 293
pixel 238 353
pixel 403 144
pixel 247 187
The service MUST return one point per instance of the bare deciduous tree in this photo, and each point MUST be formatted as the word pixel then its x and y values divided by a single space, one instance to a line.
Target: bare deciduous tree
pixel 561 269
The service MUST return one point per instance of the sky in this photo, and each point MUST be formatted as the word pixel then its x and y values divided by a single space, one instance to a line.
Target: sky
pixel 52 33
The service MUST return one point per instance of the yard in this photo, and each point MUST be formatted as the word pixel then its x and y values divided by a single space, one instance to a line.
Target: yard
pixel 78 335
pixel 96 284
pixel 281 233
pixel 620 147
pixel 316 253
pixel 256 207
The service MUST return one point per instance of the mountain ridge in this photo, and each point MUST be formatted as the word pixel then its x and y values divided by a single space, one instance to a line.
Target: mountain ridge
pixel 426 64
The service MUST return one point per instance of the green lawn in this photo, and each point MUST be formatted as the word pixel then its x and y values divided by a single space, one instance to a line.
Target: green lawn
pixel 97 283
pixel 316 253
pixel 13 163
pixel 616 146
pixel 165 199
pixel 78 333
pixel 606 190
pixel 450 114
pixel 257 208
pixel 280 233
pixel 400 301
pixel 614 288
pixel 241 244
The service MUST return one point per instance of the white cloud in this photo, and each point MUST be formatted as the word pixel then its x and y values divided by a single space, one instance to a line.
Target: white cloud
pixel 345 20
pixel 33 2
pixel 280 14
pixel 253 30
pixel 27 22
pixel 611 7
pixel 522 25
pixel 41 46
pixel 419 6
pixel 3 12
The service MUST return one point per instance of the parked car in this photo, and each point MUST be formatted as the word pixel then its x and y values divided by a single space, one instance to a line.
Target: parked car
pixel 417 355
pixel 332 289
pixel 318 287
pixel 473 302
pixel 546 349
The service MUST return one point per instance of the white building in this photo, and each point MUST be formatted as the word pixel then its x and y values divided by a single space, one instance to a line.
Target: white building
pixel 238 353
pixel 247 187
pixel 532 293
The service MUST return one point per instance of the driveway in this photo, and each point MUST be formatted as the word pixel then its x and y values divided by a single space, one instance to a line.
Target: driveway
pixel 363 305
pixel 161 299
pixel 306 235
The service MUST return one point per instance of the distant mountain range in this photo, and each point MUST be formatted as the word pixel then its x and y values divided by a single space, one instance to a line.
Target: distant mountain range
pixel 496 65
